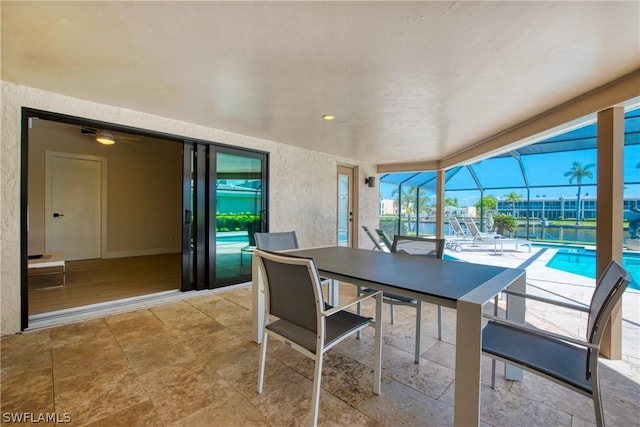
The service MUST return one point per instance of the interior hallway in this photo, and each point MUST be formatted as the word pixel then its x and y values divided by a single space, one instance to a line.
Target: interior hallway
pixel 193 363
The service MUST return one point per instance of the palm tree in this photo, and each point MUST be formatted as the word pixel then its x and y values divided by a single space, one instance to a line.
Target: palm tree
pixel 451 201
pixel 412 203
pixel 578 172
pixel 407 203
pixel 512 198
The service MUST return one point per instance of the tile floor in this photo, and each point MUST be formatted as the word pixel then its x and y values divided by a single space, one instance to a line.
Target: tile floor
pixel 193 363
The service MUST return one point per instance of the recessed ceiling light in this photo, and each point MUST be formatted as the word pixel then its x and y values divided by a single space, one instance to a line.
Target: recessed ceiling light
pixel 328 117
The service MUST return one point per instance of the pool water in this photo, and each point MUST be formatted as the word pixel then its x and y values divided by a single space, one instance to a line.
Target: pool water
pixel 583 262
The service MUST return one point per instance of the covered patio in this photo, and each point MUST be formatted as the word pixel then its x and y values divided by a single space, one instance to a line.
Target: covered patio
pixel 150 366
pixel 318 87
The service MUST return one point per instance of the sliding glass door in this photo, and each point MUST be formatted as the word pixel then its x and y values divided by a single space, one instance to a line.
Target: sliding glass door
pixel 239 212
pixel 224 204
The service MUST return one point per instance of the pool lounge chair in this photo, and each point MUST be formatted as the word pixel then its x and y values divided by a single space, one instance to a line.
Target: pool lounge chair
pixel 378 244
pixel 384 238
pixel 458 235
pixel 455 227
pixel 479 237
pixel 475 232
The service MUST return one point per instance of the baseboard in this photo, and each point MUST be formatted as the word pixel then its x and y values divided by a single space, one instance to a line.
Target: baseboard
pixel 141 252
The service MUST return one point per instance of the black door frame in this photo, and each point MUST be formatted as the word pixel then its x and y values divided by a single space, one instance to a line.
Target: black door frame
pixel 28 114
pixel 199 220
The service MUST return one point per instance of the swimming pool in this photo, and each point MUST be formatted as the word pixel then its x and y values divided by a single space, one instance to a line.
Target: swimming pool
pixel 583 262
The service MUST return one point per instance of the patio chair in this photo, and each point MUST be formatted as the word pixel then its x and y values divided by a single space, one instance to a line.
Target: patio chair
pixel 282 241
pixel 384 238
pixel 252 227
pixel 293 296
pixel 570 362
pixel 279 241
pixel 379 245
pixel 421 247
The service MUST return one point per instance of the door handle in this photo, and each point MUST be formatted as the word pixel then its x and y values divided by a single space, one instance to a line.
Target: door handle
pixel 57 215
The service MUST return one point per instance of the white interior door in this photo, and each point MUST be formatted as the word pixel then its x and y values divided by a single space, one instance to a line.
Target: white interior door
pixel 73 205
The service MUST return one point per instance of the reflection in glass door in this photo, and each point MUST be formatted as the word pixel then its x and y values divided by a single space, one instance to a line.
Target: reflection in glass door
pixel 239 212
pixel 224 204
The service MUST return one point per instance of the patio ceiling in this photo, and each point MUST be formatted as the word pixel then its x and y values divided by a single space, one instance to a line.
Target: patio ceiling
pixel 407 81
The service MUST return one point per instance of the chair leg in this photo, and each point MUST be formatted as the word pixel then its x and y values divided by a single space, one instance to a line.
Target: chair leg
pixel 418 331
pixel 359 309
pixel 440 323
pixel 377 368
pixel 263 359
pixel 315 400
pixel 597 398
pixel 493 374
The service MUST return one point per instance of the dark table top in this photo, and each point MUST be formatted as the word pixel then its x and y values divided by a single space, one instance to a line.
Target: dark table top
pixel 446 279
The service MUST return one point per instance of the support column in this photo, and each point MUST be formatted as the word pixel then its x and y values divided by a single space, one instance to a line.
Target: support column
pixel 609 228
pixel 440 177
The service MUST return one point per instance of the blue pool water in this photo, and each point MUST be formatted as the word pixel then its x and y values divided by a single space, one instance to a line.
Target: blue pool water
pixel 583 262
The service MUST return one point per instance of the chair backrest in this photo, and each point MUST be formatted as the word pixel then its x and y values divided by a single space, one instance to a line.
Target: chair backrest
pixel 472 226
pixel 375 240
pixel 279 241
pixel 609 289
pixel 383 236
pixel 292 288
pixel 425 246
pixel 455 225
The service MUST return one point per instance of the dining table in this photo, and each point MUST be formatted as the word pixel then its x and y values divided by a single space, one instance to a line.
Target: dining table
pixel 463 286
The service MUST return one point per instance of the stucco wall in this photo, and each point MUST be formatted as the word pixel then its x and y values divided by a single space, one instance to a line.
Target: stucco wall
pixel 302 182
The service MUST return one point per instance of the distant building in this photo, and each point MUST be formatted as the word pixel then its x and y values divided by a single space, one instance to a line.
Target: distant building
pixel 388 207
pixel 557 207
pixel 469 211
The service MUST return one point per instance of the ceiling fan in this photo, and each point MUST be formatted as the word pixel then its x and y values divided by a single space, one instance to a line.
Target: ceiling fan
pixel 107 137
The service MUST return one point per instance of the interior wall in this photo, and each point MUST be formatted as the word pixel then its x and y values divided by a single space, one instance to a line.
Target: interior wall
pixel 302 182
pixel 144 189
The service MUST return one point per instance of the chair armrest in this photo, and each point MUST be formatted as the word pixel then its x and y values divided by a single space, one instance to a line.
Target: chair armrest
pixel 568 305
pixel 349 303
pixel 541 332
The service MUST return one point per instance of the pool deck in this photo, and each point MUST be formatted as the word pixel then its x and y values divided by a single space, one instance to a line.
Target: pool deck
pixel 569 287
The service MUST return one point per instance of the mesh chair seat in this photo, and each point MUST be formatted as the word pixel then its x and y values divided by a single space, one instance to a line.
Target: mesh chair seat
pixel 558 359
pixel 338 325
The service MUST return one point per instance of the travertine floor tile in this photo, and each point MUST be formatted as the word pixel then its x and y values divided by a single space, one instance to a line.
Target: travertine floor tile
pixel 89 397
pixel 194 363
